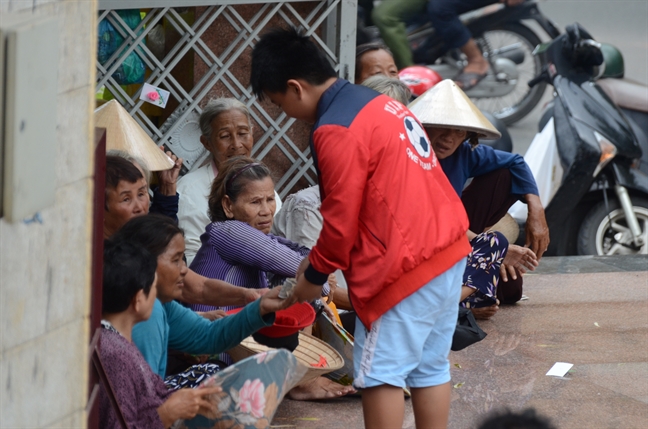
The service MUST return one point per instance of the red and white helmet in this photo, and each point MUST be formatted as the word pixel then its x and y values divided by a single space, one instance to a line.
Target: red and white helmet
pixel 419 78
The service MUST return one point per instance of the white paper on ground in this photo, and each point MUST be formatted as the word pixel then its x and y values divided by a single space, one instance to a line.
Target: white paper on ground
pixel 560 369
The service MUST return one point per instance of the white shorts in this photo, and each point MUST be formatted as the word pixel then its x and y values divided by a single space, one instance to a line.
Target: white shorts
pixel 410 343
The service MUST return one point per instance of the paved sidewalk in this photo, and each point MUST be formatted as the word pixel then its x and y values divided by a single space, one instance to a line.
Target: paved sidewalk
pixel 589 311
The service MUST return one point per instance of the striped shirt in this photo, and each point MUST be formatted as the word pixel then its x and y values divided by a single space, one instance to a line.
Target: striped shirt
pixel 239 254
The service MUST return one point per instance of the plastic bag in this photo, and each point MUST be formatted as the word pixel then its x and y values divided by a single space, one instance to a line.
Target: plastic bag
pixel 252 391
pixel 132 69
pixel 544 162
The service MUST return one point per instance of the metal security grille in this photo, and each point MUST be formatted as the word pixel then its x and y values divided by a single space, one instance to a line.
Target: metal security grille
pixel 330 23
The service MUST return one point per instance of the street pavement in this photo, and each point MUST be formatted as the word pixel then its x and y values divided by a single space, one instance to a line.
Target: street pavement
pixel 589 311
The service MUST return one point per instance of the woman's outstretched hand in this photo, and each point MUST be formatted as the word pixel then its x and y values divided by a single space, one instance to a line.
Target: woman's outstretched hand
pixel 517 258
pixel 271 303
pixel 186 403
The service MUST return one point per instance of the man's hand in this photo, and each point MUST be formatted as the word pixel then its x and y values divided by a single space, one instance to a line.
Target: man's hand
pixel 521 258
pixel 333 285
pixel 168 178
pixel 252 295
pixel 202 290
pixel 271 303
pixel 328 311
pixel 305 291
pixel 302 267
pixel 537 231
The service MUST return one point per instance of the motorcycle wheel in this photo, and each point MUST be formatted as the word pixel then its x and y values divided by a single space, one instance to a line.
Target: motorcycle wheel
pixel 521 100
pixel 606 232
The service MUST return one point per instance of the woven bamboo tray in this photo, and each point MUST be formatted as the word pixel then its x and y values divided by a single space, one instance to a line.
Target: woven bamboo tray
pixel 308 351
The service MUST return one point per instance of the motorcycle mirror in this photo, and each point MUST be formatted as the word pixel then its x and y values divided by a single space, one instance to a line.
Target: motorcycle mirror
pixel 573 35
pixel 582 50
pixel 577 32
pixel 583 33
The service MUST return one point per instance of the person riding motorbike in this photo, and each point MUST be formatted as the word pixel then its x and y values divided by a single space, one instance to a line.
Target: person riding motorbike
pixel 390 17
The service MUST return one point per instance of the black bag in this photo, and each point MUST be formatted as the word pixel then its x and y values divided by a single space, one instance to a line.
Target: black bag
pixel 467 331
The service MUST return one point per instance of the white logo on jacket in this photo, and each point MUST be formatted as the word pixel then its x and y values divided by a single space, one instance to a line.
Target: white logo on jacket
pixel 417 136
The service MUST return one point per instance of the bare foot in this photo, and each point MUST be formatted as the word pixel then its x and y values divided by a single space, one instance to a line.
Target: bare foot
pixel 478 65
pixel 319 388
pixel 475 70
pixel 485 313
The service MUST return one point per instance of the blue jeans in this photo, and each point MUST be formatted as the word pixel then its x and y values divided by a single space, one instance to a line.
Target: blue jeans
pixel 444 15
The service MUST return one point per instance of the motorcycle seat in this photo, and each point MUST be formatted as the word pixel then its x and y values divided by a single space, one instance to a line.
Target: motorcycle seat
pixel 626 93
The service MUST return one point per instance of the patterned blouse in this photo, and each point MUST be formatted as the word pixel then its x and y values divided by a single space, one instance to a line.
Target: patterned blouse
pixel 139 391
pixel 239 254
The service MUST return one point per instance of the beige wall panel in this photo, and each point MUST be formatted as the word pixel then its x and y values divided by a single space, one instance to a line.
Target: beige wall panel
pixel 74 147
pixel 40 384
pixel 45 268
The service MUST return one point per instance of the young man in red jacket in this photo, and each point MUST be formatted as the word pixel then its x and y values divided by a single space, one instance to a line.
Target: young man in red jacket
pixel 392 224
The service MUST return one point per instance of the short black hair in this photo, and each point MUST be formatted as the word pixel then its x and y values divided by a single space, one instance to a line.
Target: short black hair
pixel 363 49
pixel 506 419
pixel 283 54
pixel 127 269
pixel 118 169
pixel 153 231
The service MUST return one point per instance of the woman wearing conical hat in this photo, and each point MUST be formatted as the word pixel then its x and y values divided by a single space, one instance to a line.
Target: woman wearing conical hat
pixel 495 267
pixel 127 139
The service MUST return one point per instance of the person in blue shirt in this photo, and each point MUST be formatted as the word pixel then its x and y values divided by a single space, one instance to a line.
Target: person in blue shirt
pixel 494 270
pixel 173 326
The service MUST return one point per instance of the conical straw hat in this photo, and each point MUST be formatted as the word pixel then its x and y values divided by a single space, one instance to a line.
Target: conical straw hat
pixel 309 351
pixel 446 106
pixel 123 133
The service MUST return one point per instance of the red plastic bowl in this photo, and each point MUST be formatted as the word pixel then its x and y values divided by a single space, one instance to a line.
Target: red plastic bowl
pixel 288 321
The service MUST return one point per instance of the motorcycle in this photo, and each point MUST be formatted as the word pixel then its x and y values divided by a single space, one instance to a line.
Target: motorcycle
pixel 505 42
pixel 590 157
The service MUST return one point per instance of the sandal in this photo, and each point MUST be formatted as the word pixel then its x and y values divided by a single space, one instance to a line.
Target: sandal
pixel 469 80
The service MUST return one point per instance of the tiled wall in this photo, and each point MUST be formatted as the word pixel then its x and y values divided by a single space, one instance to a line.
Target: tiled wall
pixel 45 267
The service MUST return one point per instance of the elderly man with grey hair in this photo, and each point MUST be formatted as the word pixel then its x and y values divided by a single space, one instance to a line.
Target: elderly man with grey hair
pixel 226 129
pixel 391 87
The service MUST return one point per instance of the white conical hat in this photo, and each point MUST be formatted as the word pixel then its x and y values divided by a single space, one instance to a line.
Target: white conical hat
pixel 446 106
pixel 124 133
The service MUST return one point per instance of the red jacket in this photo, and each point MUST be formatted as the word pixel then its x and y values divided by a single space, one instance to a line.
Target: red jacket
pixel 392 222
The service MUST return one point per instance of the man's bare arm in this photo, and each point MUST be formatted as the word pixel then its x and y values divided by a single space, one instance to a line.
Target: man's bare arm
pixel 202 290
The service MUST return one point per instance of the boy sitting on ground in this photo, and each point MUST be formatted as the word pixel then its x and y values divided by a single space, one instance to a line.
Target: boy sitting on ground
pixel 129 291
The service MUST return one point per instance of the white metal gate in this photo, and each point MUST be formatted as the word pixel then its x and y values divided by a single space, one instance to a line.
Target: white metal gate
pixel 330 23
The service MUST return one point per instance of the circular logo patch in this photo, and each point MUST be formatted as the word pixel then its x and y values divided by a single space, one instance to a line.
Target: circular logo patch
pixel 416 135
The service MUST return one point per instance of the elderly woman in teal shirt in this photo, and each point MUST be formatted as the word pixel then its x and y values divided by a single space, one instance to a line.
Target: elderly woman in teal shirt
pixel 173 326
